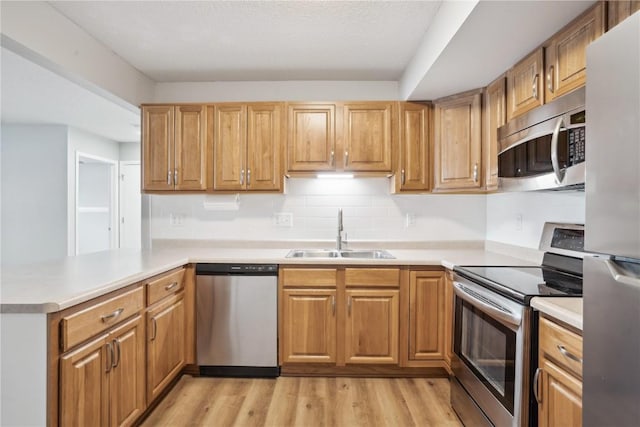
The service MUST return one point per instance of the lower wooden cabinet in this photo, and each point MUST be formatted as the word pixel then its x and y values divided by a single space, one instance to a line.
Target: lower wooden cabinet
pixel 165 343
pixel 558 385
pixel 426 315
pixel 102 382
pixel 371 326
pixel 351 321
pixel 309 326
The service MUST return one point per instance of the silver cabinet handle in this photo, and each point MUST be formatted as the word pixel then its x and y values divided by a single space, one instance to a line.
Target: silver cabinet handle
pixel 171 286
pixel 333 304
pixel 566 353
pixel 332 159
pixel 175 176
pixel 154 328
pixel 536 385
pixel 402 177
pixel 475 173
pixel 535 87
pixel 109 356
pixel 550 79
pixel 242 177
pixel 116 361
pixel 349 306
pixel 555 163
pixel 346 158
pixel 248 176
pixel 169 177
pixel 108 317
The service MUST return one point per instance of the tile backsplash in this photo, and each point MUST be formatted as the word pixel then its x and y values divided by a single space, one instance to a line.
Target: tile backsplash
pixel 308 211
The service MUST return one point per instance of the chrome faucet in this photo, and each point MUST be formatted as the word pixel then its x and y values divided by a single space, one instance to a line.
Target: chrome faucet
pixel 340 229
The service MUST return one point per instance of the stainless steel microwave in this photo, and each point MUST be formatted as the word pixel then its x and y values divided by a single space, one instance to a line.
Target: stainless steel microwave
pixel 545 148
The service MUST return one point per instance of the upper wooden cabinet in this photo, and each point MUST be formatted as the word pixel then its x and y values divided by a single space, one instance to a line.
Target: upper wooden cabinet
pixel 247 146
pixel 367 136
pixel 494 115
pixel 340 136
pixel 525 84
pixel 619 10
pixel 566 55
pixel 174 148
pixel 414 136
pixel 311 137
pixel 458 142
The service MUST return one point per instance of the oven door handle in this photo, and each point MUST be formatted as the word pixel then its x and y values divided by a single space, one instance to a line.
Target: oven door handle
pixel 489 306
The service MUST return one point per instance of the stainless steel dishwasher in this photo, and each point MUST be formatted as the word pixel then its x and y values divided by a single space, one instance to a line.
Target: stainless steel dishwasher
pixel 237 319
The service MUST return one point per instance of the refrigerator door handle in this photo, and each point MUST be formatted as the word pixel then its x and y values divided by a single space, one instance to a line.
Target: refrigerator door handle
pixel 620 276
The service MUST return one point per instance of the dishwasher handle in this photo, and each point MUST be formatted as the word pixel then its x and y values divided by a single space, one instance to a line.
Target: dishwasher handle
pixel 236 269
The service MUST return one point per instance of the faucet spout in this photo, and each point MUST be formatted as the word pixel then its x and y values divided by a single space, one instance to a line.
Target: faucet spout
pixel 340 229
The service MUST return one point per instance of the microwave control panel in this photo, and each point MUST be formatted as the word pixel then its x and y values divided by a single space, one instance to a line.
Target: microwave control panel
pixel 576 145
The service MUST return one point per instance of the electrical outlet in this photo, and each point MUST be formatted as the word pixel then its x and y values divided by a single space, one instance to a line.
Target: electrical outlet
pixel 410 220
pixel 519 222
pixel 176 220
pixel 283 219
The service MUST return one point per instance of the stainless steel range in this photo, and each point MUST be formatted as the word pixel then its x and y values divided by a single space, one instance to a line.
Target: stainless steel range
pixel 495 331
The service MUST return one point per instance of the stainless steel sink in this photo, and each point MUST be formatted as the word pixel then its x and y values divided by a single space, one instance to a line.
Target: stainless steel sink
pixel 367 254
pixel 345 253
pixel 313 253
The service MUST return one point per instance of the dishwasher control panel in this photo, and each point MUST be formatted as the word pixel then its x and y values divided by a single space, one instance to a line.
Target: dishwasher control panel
pixel 247 269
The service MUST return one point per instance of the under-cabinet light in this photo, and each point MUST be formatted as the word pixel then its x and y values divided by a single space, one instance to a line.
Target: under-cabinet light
pixel 334 175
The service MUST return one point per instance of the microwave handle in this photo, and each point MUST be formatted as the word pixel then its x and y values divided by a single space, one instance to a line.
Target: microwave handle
pixel 554 151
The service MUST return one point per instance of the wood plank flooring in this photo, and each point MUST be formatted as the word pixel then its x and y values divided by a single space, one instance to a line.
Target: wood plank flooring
pixel 301 401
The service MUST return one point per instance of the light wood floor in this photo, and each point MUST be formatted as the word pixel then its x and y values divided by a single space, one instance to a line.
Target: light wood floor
pixel 295 401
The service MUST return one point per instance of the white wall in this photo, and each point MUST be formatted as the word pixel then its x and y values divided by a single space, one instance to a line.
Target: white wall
pixel 129 151
pixel 534 208
pixel 277 91
pixel 34 193
pixel 370 213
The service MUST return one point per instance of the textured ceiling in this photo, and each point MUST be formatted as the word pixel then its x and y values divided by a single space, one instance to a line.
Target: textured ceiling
pixel 259 40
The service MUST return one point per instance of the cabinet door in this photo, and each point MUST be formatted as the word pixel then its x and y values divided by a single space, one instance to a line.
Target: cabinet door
pixel 561 397
pixel 619 10
pixel 309 326
pixel 190 148
pixel 566 54
pixel 230 145
pixel 127 379
pixel 311 139
pixel 157 147
pixel 371 323
pixel 263 147
pixel 525 85
pixel 414 146
pixel 367 136
pixel 458 142
pixel 495 115
pixel 165 344
pixel 84 384
pixel 426 315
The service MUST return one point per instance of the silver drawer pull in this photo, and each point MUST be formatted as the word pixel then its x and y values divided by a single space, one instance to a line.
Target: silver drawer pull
pixel 566 353
pixel 171 286
pixel 107 317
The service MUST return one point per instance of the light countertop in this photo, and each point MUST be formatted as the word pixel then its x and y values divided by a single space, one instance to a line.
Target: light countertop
pixel 53 286
pixel 567 310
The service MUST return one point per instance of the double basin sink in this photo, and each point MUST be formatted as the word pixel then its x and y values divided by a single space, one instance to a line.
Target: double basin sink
pixel 344 253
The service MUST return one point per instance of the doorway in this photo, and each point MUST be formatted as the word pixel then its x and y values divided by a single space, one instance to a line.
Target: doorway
pixel 96 204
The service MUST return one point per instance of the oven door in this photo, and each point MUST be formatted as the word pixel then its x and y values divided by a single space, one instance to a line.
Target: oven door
pixel 491 356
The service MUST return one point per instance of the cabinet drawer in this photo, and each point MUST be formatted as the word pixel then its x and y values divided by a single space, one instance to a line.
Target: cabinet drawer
pixel 162 286
pixel 84 324
pixel 561 345
pixel 308 277
pixel 372 277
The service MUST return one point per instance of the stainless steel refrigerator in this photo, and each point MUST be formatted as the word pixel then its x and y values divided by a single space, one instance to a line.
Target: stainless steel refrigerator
pixel 611 376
